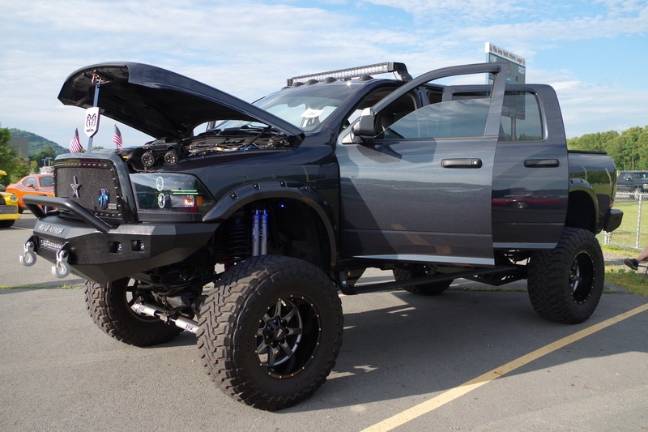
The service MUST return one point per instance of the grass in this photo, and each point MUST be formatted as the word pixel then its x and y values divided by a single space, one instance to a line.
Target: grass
pixel 625 236
pixel 616 250
pixel 636 283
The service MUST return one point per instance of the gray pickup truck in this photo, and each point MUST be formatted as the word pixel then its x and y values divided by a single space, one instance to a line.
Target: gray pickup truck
pixel 279 204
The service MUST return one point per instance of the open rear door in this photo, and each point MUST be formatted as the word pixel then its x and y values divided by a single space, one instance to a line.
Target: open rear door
pixel 420 191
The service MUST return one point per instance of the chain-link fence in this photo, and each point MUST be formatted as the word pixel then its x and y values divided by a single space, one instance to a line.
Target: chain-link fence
pixel 633 231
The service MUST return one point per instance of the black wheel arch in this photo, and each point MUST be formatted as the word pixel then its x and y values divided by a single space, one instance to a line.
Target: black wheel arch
pixel 583 208
pixel 248 194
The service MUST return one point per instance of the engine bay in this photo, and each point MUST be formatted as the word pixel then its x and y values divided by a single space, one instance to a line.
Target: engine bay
pixel 163 152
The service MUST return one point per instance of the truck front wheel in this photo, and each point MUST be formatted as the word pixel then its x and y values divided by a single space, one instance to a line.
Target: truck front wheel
pixel 270 331
pixel 565 284
pixel 109 306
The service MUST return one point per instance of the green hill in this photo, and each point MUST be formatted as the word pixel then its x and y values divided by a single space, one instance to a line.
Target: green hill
pixel 29 144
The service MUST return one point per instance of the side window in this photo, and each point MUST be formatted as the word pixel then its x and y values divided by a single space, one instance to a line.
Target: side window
pixel 398 110
pixel 521 119
pixel 369 100
pixel 446 119
pixel 29 181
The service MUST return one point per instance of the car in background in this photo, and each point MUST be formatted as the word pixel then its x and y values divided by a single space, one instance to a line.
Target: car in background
pixel 33 184
pixel 8 207
pixel 632 181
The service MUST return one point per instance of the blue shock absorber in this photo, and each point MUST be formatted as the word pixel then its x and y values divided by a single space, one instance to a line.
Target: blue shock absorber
pixel 256 232
pixel 264 232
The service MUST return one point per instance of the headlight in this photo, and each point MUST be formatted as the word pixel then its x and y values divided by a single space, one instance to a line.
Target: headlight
pixel 13 197
pixel 170 193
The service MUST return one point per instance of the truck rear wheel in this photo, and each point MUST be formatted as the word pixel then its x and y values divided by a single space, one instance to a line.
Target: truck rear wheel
pixel 271 330
pixel 565 284
pixel 109 307
pixel 428 289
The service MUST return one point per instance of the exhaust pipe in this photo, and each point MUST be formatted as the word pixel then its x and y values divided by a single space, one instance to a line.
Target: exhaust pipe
pixel 163 315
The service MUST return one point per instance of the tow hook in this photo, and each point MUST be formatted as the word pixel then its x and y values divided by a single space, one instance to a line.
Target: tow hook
pixel 61 268
pixel 28 257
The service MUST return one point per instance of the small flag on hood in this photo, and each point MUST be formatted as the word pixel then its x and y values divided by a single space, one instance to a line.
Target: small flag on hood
pixel 75 143
pixel 117 138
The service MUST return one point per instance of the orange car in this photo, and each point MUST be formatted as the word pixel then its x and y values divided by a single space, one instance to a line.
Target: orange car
pixel 33 184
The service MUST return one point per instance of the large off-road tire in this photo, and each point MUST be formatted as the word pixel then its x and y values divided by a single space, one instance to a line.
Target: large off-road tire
pixel 108 306
pixel 418 271
pixel 565 284
pixel 7 223
pixel 262 310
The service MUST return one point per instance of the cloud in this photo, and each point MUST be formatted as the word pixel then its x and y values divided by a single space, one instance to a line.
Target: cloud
pixel 249 48
pixel 475 10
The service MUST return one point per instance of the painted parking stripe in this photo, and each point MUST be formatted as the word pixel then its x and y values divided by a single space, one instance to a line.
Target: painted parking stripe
pixel 448 396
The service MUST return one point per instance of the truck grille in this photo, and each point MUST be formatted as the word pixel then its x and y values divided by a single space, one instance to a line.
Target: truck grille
pixel 96 183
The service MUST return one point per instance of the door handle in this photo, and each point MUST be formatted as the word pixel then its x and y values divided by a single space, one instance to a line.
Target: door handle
pixel 461 163
pixel 541 163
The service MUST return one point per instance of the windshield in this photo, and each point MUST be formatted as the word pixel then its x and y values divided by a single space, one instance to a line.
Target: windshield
pixel 306 106
pixel 46 181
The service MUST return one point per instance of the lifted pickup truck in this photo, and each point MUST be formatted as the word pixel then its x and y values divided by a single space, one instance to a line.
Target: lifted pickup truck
pixel 243 234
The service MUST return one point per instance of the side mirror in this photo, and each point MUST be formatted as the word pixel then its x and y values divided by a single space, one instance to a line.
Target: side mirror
pixel 365 127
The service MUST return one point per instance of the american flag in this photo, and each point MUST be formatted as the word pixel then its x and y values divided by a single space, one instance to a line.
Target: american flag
pixel 75 143
pixel 117 138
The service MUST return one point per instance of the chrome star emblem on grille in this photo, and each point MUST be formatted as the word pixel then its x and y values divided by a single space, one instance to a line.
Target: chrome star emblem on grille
pixel 75 186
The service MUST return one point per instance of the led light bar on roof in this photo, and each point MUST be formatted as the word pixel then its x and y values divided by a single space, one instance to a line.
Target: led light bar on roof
pixel 379 68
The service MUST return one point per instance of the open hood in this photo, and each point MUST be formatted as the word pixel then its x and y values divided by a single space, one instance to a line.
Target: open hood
pixel 159 102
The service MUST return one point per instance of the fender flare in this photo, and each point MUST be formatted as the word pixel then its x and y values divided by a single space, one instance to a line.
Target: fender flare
pixel 243 195
pixel 582 185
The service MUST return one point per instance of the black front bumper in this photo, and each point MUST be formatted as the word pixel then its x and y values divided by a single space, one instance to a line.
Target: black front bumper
pixel 104 253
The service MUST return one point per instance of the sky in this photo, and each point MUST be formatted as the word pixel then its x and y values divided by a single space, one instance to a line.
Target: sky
pixel 594 53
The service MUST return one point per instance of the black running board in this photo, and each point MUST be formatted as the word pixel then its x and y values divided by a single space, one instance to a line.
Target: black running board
pixel 515 272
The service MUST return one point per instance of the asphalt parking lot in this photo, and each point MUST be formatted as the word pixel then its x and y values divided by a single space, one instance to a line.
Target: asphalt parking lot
pixel 59 372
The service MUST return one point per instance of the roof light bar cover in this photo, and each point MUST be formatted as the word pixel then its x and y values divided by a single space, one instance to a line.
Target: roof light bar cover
pixel 379 68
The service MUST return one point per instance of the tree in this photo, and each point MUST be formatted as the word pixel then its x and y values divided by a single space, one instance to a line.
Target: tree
pixel 46 153
pixel 9 160
pixel 629 149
